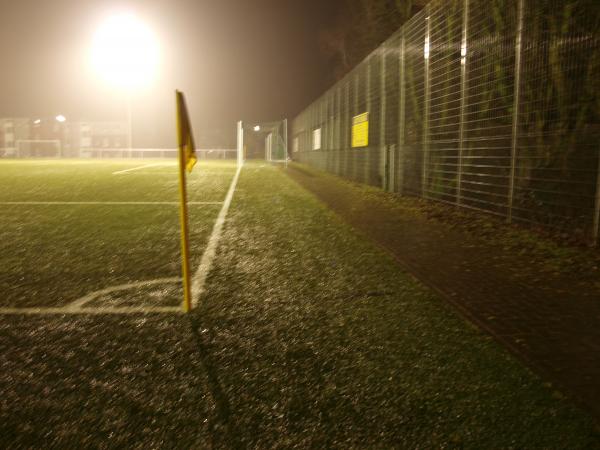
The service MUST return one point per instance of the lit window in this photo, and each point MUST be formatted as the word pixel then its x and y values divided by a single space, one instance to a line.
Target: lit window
pixel 317 139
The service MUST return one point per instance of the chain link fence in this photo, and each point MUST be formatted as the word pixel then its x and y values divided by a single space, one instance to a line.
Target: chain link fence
pixel 487 104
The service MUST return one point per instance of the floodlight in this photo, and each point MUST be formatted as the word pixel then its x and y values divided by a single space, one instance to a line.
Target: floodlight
pixel 257 128
pixel 60 118
pixel 124 52
pixel 37 121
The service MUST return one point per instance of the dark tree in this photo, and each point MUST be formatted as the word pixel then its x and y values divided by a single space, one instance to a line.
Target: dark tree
pixel 359 27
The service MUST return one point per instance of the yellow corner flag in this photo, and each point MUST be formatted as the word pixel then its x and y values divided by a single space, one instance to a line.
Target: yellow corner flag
pixel 187 160
pixel 184 133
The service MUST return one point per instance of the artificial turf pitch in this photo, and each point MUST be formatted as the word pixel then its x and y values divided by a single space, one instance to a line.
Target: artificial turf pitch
pixel 70 228
pixel 307 336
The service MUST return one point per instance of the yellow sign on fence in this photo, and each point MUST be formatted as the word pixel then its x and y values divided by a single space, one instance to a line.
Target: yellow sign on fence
pixel 360 130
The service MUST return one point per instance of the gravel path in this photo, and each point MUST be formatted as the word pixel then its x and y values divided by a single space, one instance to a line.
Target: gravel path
pixel 550 319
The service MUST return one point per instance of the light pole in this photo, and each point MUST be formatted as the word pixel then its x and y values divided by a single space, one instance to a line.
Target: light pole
pixel 61 120
pixel 129 125
pixel 125 54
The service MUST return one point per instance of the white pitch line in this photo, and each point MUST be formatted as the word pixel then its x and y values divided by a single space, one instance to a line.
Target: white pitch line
pixel 108 203
pixel 140 167
pixel 77 306
pixel 97 311
pixel 209 253
pixel 80 302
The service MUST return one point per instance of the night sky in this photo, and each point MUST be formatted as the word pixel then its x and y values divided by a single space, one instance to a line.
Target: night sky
pixel 256 60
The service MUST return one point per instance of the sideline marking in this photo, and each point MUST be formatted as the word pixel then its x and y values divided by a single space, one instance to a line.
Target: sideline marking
pixel 118 172
pixel 209 253
pixel 80 302
pixel 108 203
pixel 77 306
pixel 88 311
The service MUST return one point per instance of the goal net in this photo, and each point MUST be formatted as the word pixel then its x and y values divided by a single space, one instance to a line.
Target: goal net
pixel 267 138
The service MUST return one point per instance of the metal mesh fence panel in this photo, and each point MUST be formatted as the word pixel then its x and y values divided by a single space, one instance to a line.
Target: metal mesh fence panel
pixel 444 78
pixel 557 142
pixel 390 109
pixel 487 104
pixel 488 65
pixel 414 103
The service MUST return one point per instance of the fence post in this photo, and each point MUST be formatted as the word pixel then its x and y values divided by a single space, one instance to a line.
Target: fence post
pixel 324 132
pixel 338 141
pixel 392 167
pixel 328 119
pixel 287 145
pixel 516 99
pixel 311 125
pixel 426 51
pixel 322 127
pixel 344 99
pixel 332 116
pixel 463 99
pixel 336 129
pixel 315 125
pixel 355 154
pixel 322 122
pixel 385 179
pixel 301 133
pixel 325 121
pixel 332 119
pixel 596 229
pixel 346 128
pixel 369 104
pixel 331 134
pixel 305 132
pixel 308 133
pixel 401 117
pixel 338 114
pixel 318 115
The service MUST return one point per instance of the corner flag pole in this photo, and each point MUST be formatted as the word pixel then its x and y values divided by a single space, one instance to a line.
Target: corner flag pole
pixel 183 140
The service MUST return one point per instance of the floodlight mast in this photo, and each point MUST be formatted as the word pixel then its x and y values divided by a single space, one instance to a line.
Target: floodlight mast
pixel 125 54
pixel 129 125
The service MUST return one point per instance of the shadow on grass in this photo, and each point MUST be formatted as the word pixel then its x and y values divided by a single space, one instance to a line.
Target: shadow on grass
pixel 222 426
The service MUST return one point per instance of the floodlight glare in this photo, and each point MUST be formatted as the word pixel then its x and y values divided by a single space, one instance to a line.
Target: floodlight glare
pixel 60 118
pixel 37 121
pixel 124 52
pixel 257 128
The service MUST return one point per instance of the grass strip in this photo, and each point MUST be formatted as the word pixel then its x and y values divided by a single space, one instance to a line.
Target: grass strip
pixel 317 339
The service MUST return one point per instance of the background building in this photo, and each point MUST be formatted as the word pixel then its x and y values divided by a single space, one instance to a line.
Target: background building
pixel 13 130
pixel 49 137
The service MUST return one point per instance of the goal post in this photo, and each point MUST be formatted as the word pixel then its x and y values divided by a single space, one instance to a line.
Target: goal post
pixel 276 142
pixel 240 143
pixel 274 135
